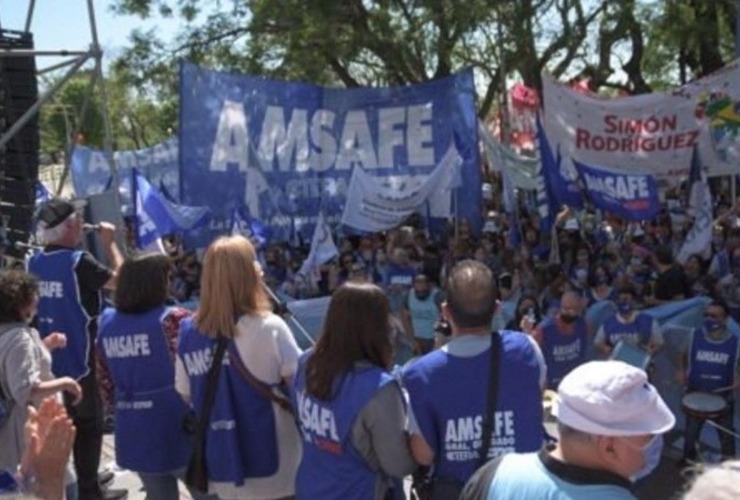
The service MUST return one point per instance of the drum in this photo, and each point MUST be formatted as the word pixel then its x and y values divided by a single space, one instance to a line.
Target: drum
pixel 631 354
pixel 704 405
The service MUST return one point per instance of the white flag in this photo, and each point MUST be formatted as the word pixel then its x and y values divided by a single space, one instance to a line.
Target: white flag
pixel 323 248
pixel 372 207
pixel 699 238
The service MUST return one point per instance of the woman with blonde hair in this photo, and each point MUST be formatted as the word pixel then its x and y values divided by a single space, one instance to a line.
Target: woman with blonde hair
pixel 252 445
pixel 350 409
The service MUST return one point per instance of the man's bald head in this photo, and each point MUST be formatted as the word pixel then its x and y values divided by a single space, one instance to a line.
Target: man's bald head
pixel 470 294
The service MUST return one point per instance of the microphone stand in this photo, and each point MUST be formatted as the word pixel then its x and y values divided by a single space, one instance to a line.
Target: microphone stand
pixel 282 310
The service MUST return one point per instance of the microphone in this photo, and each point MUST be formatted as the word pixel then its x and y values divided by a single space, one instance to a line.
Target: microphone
pixel 19 245
pixel 88 228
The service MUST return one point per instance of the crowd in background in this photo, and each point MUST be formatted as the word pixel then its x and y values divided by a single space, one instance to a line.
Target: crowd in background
pixel 593 255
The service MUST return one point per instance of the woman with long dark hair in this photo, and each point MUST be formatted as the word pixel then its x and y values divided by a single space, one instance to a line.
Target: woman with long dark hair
pixel 136 345
pixel 349 408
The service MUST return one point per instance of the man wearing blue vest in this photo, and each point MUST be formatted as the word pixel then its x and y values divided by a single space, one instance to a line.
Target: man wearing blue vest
pixel 711 365
pixel 419 313
pixel 70 285
pixel 628 325
pixel 563 339
pixel 610 424
pixel 448 387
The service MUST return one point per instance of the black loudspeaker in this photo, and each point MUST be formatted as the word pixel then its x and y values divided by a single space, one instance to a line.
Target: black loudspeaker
pixel 19 158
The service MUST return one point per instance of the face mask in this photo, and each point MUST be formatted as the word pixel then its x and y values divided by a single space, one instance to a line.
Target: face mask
pixel 624 307
pixel 712 325
pixel 422 295
pixel 651 456
pixel 568 318
pixel 635 262
pixel 581 274
pixel 601 280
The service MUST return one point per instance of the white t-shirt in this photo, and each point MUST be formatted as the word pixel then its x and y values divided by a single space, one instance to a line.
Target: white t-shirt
pixel 268 349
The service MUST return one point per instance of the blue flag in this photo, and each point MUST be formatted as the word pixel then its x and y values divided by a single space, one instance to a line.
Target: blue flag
pixel 156 217
pixel 242 223
pixel 42 194
pixel 563 183
pixel 631 196
pixel 547 207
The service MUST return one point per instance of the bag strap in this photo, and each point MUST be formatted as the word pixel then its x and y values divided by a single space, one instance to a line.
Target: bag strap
pixel 263 389
pixel 492 398
pixel 210 393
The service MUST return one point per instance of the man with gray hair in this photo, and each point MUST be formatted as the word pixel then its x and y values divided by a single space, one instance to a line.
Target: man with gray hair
pixel 610 420
pixel 480 385
pixel 70 285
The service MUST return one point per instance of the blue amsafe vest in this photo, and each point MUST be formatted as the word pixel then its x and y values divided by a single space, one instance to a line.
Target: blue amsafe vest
pixel 448 397
pixel 636 333
pixel 424 314
pixel 711 364
pixel 60 310
pixel 398 280
pixel 562 352
pixel 331 468
pixel 148 408
pixel 241 442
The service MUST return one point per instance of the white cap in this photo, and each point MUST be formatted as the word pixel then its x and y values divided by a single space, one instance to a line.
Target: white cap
pixel 611 398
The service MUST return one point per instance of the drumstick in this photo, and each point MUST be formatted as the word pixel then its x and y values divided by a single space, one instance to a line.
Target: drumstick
pixel 724 389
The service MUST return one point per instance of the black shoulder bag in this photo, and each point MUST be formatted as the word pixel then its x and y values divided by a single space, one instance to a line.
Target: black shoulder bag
pixel 445 487
pixel 263 389
pixel 196 475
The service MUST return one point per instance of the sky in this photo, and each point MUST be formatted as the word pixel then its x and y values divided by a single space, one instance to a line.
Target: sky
pixel 64 25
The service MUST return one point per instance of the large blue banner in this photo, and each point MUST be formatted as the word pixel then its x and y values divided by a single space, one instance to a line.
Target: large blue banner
pixel 159 164
pixel 631 196
pixel 286 151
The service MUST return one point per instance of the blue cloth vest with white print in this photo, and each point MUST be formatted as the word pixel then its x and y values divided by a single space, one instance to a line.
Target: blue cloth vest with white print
pixel 711 364
pixel 636 332
pixel 448 396
pixel 147 406
pixel 241 441
pixel 331 467
pixel 424 314
pixel 60 310
pixel 562 352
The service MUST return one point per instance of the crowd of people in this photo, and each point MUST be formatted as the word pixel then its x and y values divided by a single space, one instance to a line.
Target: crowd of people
pixel 476 327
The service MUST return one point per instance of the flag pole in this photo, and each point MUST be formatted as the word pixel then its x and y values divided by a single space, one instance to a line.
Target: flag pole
pixel 282 310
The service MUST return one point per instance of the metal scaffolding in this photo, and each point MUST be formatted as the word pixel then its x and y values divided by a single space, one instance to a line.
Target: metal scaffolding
pixel 77 58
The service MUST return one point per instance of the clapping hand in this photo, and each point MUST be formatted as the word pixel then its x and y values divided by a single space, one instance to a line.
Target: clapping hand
pixel 49 435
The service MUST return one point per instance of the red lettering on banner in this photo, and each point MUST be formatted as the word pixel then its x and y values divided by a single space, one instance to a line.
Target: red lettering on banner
pixel 585 140
pixel 651 125
pixel 582 136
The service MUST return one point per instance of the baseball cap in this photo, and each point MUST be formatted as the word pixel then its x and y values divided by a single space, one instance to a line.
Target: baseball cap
pixel 611 398
pixel 55 211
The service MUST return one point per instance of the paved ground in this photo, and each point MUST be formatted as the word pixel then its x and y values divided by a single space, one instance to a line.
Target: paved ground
pixel 126 479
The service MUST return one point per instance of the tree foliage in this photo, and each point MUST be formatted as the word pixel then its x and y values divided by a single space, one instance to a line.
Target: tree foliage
pixel 632 45
pixel 137 120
